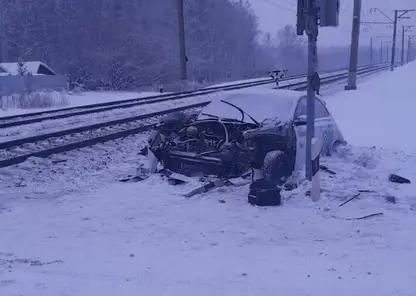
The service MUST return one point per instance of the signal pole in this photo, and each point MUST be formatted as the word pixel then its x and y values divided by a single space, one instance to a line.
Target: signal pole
pixel 308 14
pixel 355 36
pixel 312 32
pixel 182 47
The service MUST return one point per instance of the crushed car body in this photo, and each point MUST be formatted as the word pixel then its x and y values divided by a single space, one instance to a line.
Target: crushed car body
pixel 259 133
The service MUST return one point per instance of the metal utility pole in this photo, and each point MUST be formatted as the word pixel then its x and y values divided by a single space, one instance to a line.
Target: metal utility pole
pixel 409 47
pixel 381 52
pixel 312 32
pixel 408 50
pixel 387 50
pixel 355 36
pixel 371 50
pixel 393 51
pixel 404 29
pixel 182 48
pixel 397 16
pixel 308 14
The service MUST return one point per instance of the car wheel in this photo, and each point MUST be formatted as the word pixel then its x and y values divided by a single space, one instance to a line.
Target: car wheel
pixel 276 167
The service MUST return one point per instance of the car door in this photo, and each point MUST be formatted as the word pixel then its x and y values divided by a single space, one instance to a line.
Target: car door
pixel 299 126
pixel 323 127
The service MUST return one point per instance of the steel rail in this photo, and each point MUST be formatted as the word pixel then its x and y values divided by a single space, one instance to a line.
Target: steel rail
pixel 28 118
pixel 15 151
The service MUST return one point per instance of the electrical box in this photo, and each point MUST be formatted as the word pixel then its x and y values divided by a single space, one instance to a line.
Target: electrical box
pixel 328 11
pixel 300 18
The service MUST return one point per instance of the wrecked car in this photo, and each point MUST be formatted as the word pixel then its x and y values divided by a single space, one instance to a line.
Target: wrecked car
pixel 259 133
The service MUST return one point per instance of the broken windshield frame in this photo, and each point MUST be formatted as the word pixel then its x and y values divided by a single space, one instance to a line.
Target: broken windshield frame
pixel 242 112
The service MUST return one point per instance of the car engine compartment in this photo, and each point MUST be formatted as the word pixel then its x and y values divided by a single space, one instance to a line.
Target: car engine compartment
pixel 222 147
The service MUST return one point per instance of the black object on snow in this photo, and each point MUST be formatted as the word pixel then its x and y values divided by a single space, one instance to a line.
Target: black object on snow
pixel 326 169
pixel 398 179
pixel 264 193
pixel 350 199
pixel 391 199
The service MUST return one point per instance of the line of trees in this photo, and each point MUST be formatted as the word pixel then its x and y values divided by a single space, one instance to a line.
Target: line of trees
pixel 113 44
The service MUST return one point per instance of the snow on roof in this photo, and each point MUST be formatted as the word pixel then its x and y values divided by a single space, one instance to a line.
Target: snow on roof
pixel 31 66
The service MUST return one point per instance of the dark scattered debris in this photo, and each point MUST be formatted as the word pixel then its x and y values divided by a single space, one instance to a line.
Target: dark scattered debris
pixel 350 199
pixel 174 182
pixel 59 161
pixel 326 170
pixel 264 193
pixel 290 186
pixel 361 217
pixel 132 179
pixel 391 199
pixel 398 179
pixel 29 261
pixel 388 198
pixel 309 193
pixel 365 191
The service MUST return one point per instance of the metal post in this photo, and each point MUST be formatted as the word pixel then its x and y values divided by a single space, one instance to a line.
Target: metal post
pixel 387 49
pixel 312 32
pixel 381 52
pixel 408 50
pixel 355 36
pixel 402 62
pixel 393 48
pixel 371 50
pixel 182 48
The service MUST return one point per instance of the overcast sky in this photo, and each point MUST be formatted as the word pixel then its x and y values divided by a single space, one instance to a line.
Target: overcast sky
pixel 274 14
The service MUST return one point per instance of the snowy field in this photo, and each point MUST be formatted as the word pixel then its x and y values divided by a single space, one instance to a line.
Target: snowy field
pixel 49 126
pixel 68 228
pixel 83 99
pixel 96 97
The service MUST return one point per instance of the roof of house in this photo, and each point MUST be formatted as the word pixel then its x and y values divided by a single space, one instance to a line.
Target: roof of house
pixel 31 66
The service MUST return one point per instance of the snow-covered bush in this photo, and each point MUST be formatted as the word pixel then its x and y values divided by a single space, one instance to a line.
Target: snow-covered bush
pixel 37 99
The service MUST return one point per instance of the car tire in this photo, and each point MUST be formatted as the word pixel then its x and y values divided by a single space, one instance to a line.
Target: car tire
pixel 276 167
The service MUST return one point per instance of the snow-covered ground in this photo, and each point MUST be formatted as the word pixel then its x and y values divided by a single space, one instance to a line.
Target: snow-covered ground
pixel 69 228
pixel 49 126
pixel 83 99
pixel 96 97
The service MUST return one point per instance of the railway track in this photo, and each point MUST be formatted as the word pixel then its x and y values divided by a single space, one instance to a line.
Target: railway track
pixel 17 151
pixel 24 119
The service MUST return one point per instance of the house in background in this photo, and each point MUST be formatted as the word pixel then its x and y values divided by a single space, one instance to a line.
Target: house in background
pixel 3 72
pixel 32 67
pixel 38 77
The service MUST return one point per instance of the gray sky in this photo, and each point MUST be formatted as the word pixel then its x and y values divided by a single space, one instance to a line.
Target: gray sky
pixel 274 14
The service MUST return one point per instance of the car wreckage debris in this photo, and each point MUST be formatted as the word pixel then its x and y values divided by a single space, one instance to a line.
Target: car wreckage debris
pixel 398 179
pixel 327 170
pixel 264 193
pixel 361 217
pixel 350 199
